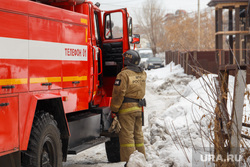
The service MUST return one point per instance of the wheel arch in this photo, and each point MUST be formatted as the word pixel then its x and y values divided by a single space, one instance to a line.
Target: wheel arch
pixel 55 107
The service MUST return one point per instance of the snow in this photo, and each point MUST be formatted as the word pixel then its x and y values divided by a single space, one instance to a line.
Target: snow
pixel 166 107
pixel 177 118
pixel 137 159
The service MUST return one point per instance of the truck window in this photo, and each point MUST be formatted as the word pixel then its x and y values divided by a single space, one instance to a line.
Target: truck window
pixel 114 26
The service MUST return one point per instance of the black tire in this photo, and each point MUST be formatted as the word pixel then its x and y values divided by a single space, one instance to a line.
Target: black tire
pixel 113 149
pixel 45 146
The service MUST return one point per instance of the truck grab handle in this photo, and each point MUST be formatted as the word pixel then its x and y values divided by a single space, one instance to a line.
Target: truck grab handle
pixel 8 87
pixel 47 84
pixel 100 51
pixel 75 82
pixel 4 104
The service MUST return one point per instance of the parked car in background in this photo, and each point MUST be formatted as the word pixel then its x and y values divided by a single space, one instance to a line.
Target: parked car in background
pixel 153 62
pixel 145 54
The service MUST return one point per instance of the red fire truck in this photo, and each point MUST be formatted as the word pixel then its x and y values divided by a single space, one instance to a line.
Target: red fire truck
pixel 58 63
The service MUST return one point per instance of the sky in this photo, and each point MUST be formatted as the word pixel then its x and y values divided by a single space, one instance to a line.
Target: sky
pixel 170 5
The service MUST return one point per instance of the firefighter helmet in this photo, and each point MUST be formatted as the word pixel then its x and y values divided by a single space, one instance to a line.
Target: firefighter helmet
pixel 131 58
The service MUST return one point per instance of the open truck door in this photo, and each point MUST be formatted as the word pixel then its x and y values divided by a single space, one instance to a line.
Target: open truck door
pixel 116 41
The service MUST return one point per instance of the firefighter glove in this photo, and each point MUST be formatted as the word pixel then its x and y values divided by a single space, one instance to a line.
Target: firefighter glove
pixel 115 126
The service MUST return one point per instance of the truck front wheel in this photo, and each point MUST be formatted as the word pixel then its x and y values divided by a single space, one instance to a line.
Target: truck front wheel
pixel 45 146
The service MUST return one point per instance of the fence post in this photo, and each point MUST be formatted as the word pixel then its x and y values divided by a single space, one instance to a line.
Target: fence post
pixel 166 58
pixel 237 113
pixel 179 57
pixel 186 63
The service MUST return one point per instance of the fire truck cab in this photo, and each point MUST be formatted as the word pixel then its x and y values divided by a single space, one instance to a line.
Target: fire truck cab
pixel 58 63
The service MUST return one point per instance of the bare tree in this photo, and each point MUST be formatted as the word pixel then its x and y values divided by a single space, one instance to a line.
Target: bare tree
pixel 181 32
pixel 150 20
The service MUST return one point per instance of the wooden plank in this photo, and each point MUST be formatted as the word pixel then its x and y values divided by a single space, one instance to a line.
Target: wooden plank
pixel 246 125
pixel 220 19
pixel 230 28
pixel 245 136
pixel 219 38
pixel 234 4
pixel 222 103
pixel 187 62
pixel 232 32
pixel 237 113
pixel 232 67
pixel 237 36
pixel 221 107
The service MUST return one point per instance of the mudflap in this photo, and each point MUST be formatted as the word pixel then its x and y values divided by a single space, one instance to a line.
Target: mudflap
pixel 11 160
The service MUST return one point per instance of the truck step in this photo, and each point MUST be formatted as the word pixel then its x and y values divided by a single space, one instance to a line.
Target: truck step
pixel 87 145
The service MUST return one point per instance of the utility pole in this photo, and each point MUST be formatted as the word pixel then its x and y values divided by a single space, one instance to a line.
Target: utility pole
pixel 199 26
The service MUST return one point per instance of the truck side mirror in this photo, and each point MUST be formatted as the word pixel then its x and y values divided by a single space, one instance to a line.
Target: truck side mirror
pixel 136 39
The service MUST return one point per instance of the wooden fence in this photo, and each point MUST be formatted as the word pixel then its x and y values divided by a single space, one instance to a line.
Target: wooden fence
pixel 198 62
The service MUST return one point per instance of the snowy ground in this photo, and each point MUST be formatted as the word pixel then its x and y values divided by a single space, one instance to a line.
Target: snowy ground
pixel 178 108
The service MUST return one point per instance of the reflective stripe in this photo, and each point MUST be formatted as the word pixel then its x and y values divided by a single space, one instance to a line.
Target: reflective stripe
pixel 132 145
pixel 84 21
pixel 127 145
pixel 41 80
pixel 139 145
pixel 130 109
pixel 74 78
pixel 57 79
pixel 47 79
pixel 13 81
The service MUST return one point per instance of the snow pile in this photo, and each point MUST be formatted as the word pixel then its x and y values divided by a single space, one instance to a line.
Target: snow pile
pixel 137 159
pixel 179 108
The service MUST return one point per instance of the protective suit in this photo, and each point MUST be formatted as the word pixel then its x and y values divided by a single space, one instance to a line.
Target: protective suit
pixel 128 89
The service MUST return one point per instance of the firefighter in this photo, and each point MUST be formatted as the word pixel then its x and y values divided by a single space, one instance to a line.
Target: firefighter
pixel 127 102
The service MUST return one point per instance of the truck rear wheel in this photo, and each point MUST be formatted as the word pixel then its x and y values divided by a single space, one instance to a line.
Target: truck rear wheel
pixel 113 149
pixel 45 146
